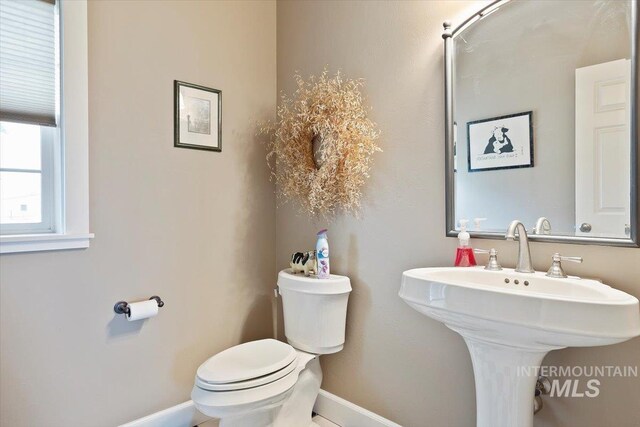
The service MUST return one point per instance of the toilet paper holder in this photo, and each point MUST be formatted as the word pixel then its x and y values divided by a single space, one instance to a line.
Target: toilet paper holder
pixel 122 307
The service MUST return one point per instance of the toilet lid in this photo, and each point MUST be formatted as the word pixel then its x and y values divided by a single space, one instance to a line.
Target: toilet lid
pixel 247 361
pixel 252 383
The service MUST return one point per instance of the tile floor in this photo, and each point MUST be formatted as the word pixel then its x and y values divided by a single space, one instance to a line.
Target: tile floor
pixel 322 422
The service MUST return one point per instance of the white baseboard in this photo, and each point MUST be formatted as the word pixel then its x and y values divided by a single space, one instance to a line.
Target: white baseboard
pixel 329 406
pixel 182 415
pixel 346 414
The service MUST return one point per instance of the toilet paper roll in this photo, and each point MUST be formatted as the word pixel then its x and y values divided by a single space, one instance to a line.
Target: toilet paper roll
pixel 142 310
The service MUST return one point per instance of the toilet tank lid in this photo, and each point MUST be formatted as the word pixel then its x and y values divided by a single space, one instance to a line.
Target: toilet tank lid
pixel 334 285
pixel 247 361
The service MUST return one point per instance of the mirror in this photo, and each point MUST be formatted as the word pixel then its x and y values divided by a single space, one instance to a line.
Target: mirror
pixel 541 121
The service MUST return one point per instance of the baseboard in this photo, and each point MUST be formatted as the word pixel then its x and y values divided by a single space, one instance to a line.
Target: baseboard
pixel 182 415
pixel 346 414
pixel 329 406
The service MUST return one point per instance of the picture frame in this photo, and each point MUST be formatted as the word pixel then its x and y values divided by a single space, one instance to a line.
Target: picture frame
pixel 504 142
pixel 197 117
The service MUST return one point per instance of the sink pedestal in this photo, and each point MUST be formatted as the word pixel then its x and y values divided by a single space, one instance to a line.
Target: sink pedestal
pixel 505 378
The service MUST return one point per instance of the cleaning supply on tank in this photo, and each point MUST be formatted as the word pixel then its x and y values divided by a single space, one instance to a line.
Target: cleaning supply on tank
pixel 322 255
pixel 464 253
pixel 477 223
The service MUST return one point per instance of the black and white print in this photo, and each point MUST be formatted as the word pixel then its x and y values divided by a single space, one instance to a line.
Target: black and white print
pixel 504 142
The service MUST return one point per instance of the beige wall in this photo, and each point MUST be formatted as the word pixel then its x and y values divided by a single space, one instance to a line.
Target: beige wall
pixel 197 228
pixel 397 362
pixel 194 227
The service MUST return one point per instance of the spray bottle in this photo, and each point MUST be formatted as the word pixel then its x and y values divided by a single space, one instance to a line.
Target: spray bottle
pixel 322 255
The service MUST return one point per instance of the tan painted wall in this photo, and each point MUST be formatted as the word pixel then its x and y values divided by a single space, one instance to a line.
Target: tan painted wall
pixel 165 226
pixel 194 227
pixel 397 362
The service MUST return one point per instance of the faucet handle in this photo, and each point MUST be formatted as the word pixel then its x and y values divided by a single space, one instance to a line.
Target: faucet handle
pixel 493 264
pixel 559 257
pixel 556 269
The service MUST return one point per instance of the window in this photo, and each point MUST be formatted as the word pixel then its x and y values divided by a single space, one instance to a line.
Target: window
pixel 26 178
pixel 29 111
pixel 43 159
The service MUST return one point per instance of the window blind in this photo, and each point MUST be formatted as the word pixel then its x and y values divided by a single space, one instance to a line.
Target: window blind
pixel 28 61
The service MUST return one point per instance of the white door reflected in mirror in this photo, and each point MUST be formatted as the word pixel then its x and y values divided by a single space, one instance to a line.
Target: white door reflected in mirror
pixel 603 137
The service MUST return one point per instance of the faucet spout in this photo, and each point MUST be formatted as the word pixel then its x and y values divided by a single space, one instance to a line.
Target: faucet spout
pixel 524 254
pixel 543 226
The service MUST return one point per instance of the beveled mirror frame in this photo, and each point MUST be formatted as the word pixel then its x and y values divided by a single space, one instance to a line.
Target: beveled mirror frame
pixel 633 241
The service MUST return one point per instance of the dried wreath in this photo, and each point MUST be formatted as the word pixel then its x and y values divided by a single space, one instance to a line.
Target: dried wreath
pixel 322 143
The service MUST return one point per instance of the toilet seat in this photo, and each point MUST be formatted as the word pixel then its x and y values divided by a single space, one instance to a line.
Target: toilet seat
pixel 241 385
pixel 275 390
pixel 247 365
pixel 247 361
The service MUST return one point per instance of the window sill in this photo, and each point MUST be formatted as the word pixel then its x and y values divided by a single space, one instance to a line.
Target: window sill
pixel 43 242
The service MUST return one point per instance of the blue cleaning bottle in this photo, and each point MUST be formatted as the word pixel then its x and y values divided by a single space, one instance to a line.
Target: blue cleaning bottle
pixel 322 255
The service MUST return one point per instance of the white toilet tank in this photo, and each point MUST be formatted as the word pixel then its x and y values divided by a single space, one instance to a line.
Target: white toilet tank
pixel 315 311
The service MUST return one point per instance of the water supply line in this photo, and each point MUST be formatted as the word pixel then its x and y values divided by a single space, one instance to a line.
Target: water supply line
pixel 274 313
pixel 543 386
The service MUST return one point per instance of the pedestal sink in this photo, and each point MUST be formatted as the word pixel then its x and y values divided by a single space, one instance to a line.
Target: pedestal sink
pixel 511 320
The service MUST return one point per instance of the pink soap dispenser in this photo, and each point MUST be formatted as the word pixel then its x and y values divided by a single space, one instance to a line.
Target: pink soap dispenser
pixel 464 253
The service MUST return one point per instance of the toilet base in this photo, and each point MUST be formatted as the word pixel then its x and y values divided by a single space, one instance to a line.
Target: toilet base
pixel 293 408
pixel 297 409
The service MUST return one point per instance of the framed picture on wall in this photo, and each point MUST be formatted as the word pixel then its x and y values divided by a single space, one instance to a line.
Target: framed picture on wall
pixel 504 142
pixel 197 117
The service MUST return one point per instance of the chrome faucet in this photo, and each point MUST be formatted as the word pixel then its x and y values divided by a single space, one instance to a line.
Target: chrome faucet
pixel 524 254
pixel 543 226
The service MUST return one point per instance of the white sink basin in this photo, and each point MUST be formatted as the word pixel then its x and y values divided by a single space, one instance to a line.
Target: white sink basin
pixel 510 321
pixel 554 312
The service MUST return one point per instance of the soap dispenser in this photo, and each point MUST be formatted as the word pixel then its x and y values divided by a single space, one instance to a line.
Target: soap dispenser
pixel 477 223
pixel 464 253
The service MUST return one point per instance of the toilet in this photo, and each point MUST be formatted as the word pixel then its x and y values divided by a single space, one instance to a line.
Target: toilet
pixel 268 383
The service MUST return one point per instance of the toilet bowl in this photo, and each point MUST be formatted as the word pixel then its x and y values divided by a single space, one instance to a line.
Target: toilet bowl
pixel 255 396
pixel 268 383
